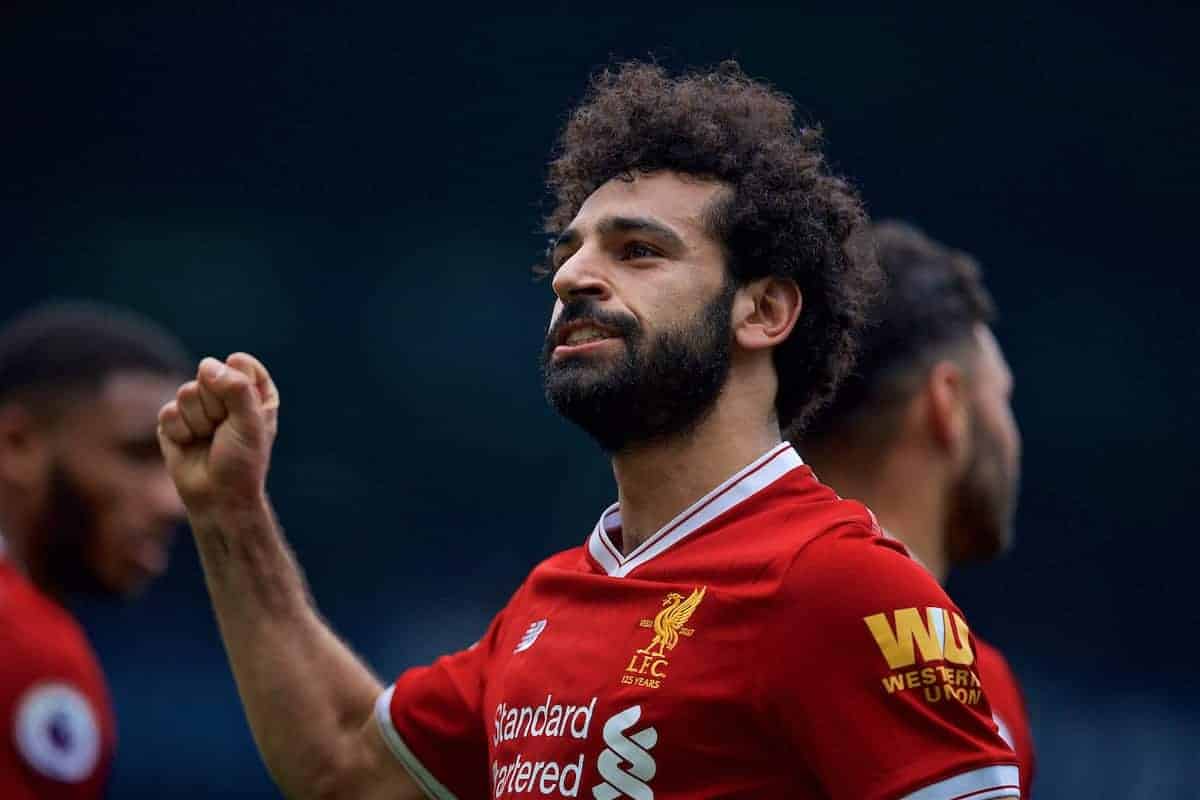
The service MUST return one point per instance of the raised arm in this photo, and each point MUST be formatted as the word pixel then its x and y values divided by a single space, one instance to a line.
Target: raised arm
pixel 308 699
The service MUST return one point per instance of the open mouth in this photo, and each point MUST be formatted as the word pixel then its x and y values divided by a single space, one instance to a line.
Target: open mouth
pixel 582 335
pixel 581 332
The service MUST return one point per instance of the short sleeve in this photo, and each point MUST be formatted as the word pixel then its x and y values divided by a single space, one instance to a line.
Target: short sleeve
pixel 879 691
pixel 432 720
pixel 58 726
pixel 1008 709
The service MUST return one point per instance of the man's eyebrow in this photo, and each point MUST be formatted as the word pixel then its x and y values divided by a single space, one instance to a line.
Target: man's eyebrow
pixel 136 437
pixel 138 443
pixel 571 236
pixel 640 225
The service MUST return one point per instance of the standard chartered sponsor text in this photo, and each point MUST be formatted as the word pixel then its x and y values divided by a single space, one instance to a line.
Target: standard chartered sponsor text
pixel 546 720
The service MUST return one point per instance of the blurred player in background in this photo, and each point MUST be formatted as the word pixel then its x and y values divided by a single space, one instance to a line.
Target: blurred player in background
pixel 923 432
pixel 86 505
pixel 708 639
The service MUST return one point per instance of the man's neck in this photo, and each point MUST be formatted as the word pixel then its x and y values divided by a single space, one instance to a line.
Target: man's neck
pixel 656 482
pixel 905 499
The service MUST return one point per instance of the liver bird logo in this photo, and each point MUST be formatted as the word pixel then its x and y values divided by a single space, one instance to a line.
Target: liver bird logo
pixel 670 623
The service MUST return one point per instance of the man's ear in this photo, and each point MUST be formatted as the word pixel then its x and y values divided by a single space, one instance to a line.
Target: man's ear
pixel 24 446
pixel 949 410
pixel 765 311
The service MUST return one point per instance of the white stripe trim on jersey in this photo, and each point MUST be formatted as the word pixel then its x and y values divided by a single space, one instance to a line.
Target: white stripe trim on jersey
pixel 986 783
pixel 424 778
pixel 742 485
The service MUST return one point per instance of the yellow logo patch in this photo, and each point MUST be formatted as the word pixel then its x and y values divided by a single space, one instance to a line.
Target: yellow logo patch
pixel 929 633
pixel 648 665
pixel 939 640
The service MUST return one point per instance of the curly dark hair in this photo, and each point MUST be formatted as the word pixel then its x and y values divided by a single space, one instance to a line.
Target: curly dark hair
pixel 935 297
pixel 787 214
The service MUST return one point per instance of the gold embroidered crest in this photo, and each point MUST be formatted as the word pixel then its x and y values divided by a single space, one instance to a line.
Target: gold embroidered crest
pixel 648 666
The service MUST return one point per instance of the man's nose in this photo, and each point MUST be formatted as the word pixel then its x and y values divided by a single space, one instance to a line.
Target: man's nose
pixel 164 499
pixel 583 274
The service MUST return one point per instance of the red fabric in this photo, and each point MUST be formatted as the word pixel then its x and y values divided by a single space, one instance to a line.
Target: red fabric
pixel 1008 704
pixel 42 646
pixel 775 686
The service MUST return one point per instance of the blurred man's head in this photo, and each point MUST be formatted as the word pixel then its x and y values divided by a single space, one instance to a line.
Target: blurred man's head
pixel 697 228
pixel 86 500
pixel 930 379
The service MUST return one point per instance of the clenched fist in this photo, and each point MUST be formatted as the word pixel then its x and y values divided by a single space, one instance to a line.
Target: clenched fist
pixel 216 435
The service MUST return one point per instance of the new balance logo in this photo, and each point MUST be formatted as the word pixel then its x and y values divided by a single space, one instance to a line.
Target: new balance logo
pixel 633 750
pixel 531 635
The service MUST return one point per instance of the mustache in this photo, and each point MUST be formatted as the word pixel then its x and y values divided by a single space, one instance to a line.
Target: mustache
pixel 624 325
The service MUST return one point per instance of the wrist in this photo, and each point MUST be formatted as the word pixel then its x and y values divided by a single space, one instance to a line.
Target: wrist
pixel 232 512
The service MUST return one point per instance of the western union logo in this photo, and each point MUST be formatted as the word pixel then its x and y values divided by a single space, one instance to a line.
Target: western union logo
pixel 934 633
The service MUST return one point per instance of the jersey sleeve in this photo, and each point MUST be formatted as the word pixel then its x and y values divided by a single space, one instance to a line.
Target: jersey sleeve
pixel 879 692
pixel 1008 709
pixel 58 727
pixel 432 720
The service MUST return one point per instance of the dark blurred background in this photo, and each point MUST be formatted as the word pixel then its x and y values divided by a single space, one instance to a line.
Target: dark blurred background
pixel 354 195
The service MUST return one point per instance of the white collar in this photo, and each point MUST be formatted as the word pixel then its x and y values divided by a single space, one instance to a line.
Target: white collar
pixel 741 486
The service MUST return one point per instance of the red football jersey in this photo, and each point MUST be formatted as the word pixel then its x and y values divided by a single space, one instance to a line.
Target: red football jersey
pixel 1008 709
pixel 765 643
pixel 59 729
pixel 1007 701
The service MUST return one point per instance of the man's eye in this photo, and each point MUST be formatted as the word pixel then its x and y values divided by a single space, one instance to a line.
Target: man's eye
pixel 556 257
pixel 640 250
pixel 142 451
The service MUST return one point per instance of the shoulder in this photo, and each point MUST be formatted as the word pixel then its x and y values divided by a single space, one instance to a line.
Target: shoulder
pixel 850 559
pixel 564 566
pixel 786 519
pixel 1009 708
pixel 992 660
pixel 39 635
pixel 562 569
pixel 573 559
pixel 851 579
pixel 52 693
pixel 999 680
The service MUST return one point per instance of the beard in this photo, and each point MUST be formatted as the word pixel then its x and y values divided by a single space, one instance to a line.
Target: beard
pixel 983 503
pixel 65 533
pixel 657 389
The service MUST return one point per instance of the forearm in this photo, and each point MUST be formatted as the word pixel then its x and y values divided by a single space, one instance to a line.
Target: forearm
pixel 306 695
